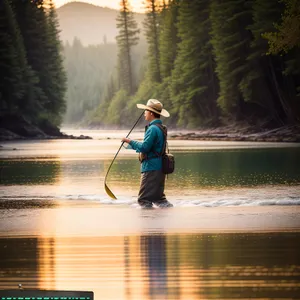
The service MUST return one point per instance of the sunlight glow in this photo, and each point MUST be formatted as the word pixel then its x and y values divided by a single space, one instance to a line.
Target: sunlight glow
pixel 137 5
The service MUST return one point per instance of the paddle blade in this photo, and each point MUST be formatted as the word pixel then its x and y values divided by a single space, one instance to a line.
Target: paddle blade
pixel 109 192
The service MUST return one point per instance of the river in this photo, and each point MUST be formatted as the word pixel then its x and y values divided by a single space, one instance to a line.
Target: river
pixel 233 231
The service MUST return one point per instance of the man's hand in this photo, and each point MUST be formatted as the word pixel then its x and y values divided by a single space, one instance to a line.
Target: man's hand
pixel 125 140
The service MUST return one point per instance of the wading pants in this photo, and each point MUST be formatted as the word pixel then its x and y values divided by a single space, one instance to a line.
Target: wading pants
pixel 152 189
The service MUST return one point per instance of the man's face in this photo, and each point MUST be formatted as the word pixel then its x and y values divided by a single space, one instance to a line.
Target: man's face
pixel 147 115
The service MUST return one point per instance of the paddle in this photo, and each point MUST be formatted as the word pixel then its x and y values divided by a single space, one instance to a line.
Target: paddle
pixel 107 189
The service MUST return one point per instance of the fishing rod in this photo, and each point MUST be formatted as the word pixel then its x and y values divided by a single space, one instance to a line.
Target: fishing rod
pixel 107 189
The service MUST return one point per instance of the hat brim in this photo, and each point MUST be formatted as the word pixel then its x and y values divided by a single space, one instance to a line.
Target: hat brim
pixel 164 112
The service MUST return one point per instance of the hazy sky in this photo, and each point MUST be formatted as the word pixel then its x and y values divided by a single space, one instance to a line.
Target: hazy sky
pixel 137 5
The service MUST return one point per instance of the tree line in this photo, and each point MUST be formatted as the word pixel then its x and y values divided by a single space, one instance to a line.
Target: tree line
pixel 88 71
pixel 33 79
pixel 209 62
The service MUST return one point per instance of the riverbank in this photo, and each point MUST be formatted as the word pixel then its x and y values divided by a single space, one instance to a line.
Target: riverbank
pixel 289 134
pixel 18 128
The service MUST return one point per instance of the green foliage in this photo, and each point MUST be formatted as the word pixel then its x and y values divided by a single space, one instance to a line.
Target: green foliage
pixel 117 113
pixel 151 26
pixel 231 41
pixel 168 40
pixel 283 43
pixel 32 20
pixel 127 38
pixel 57 80
pixel 44 75
pixel 144 92
pixel 257 86
pixel 206 61
pixel 147 90
pixel 193 82
pixel 12 57
pixel 287 34
pixel 99 116
pixel 88 71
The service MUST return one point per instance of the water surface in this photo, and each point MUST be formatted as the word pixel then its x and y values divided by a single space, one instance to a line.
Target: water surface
pixel 207 173
pixel 202 266
pixel 233 233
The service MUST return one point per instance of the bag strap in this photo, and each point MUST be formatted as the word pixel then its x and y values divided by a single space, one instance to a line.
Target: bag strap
pixel 165 133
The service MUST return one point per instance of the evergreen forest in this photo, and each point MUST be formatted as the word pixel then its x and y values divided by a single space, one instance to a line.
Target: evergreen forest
pixel 33 79
pixel 209 62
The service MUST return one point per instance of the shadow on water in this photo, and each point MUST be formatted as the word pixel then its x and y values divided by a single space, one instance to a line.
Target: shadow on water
pixel 12 203
pixel 29 172
pixel 210 266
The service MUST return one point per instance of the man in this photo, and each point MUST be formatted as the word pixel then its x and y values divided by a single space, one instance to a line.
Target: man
pixel 152 178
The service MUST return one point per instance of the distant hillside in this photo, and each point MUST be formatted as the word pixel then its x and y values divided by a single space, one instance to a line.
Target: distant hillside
pixel 91 24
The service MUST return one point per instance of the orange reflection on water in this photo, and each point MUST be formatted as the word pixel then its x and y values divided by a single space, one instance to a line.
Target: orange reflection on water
pixel 83 264
pixel 157 266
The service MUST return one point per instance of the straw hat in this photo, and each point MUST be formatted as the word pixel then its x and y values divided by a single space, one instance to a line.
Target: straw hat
pixel 155 106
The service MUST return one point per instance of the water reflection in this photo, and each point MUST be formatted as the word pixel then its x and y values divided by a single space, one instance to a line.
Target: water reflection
pixel 218 169
pixel 154 261
pixel 19 262
pixel 28 172
pixel 210 266
pixel 195 171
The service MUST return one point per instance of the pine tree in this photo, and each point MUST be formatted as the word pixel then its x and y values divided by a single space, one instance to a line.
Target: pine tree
pixel 231 40
pixel 273 77
pixel 169 39
pixel 56 87
pixel 12 60
pixel 23 94
pixel 260 85
pixel 89 72
pixel 32 22
pixel 151 26
pixel 287 34
pixel 284 39
pixel 38 25
pixel 126 39
pixel 194 85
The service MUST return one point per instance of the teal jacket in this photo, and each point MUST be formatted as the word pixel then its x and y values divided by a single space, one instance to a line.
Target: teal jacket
pixel 153 143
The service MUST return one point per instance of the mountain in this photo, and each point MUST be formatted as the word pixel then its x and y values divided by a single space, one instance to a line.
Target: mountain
pixel 90 23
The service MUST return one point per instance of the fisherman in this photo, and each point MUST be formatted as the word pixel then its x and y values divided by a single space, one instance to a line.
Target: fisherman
pixel 152 178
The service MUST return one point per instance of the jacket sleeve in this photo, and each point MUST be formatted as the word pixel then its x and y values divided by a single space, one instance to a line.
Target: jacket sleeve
pixel 148 142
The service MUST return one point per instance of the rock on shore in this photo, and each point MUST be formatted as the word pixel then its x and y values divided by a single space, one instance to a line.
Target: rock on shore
pixel 16 127
pixel 289 134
